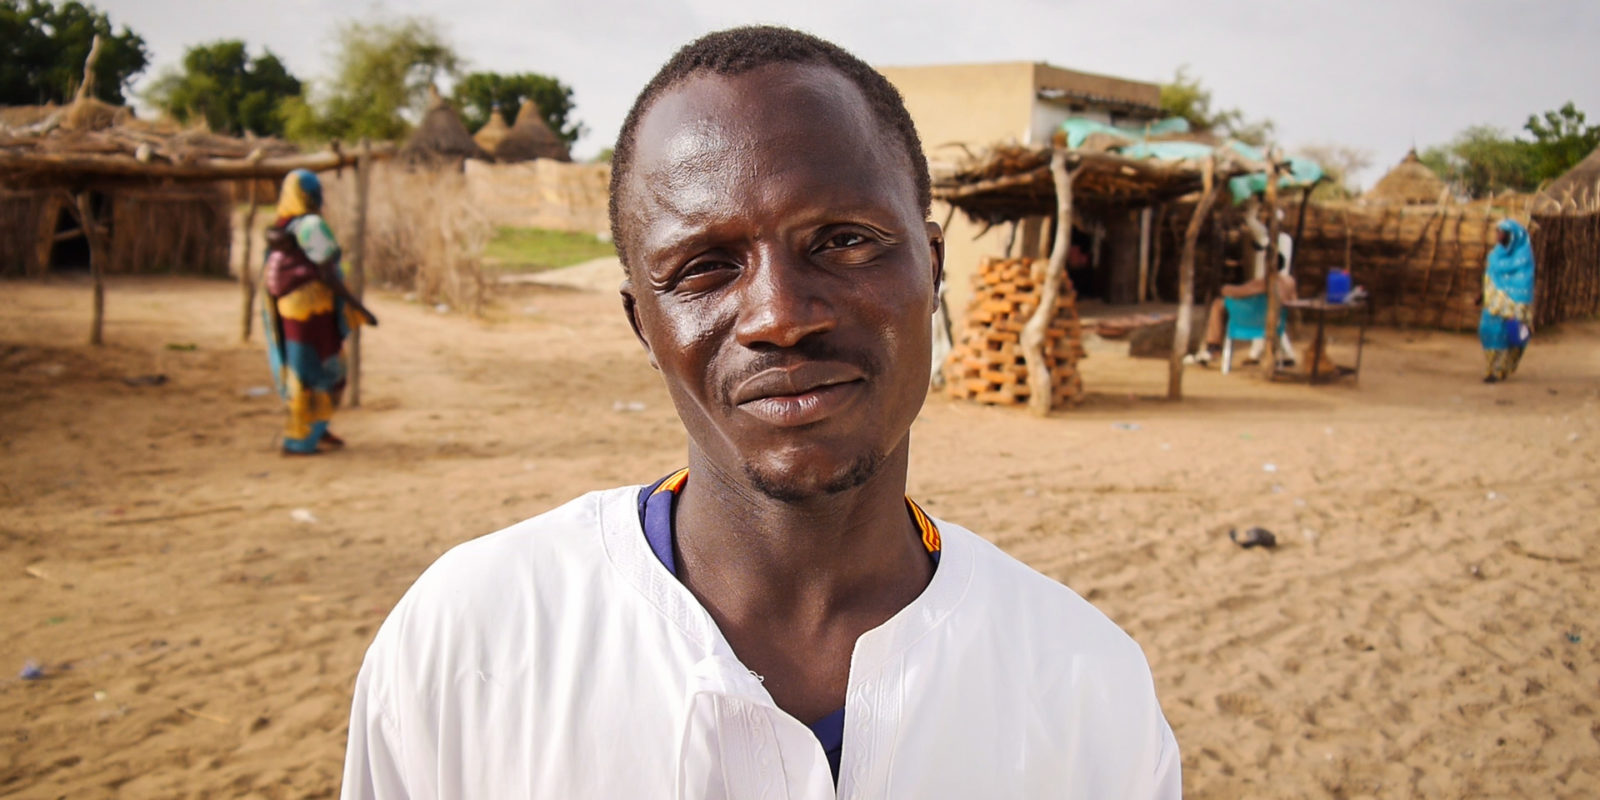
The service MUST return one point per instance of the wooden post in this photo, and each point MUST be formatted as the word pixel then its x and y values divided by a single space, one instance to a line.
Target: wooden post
pixel 1040 392
pixel 97 263
pixel 1144 253
pixel 247 283
pixel 1349 242
pixel 1185 322
pixel 1300 228
pixel 358 263
pixel 1158 230
pixel 1269 359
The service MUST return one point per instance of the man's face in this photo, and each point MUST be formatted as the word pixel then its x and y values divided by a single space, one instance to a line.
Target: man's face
pixel 782 275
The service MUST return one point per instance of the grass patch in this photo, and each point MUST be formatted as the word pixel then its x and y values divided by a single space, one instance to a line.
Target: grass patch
pixel 514 249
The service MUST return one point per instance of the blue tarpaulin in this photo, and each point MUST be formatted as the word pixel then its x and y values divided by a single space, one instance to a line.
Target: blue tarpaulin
pixel 1302 172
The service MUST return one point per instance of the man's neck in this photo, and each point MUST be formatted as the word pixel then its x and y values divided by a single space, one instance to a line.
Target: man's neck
pixel 744 552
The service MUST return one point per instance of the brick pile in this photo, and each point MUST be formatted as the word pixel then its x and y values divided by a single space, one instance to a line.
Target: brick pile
pixel 987 365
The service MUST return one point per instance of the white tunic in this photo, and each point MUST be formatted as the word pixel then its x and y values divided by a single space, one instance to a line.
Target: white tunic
pixel 559 659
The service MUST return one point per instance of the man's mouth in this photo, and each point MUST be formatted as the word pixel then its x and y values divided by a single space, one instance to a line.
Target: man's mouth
pixel 801 394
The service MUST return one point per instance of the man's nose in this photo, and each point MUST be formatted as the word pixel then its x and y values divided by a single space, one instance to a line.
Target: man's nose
pixel 784 300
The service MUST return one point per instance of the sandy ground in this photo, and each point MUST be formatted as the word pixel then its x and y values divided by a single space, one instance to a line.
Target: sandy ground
pixel 199 604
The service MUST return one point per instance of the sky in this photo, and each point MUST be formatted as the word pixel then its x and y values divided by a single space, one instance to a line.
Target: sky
pixel 1377 75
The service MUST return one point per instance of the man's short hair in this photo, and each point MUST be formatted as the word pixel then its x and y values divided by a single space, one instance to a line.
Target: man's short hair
pixel 739 50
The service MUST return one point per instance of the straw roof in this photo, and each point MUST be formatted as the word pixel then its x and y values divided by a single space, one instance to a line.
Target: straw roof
pixel 531 138
pixel 1578 189
pixel 1011 182
pixel 1410 183
pixel 441 136
pixel 24 116
pixel 488 137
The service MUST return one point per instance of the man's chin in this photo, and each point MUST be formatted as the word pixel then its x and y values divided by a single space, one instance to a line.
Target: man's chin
pixel 797 485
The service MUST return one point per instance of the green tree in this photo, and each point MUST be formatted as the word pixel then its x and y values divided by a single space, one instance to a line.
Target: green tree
pixel 1483 161
pixel 223 85
pixel 1187 97
pixel 1561 139
pixel 43 45
pixel 382 72
pixel 478 93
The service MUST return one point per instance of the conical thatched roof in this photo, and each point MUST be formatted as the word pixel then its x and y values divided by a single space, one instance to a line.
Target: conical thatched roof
pixel 1410 183
pixel 441 136
pixel 1580 186
pixel 488 137
pixel 531 138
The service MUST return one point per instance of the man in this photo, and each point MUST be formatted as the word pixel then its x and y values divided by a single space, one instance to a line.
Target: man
pixel 1217 318
pixel 1217 314
pixel 778 619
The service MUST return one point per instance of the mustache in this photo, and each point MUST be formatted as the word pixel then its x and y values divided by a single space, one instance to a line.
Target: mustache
pixel 809 349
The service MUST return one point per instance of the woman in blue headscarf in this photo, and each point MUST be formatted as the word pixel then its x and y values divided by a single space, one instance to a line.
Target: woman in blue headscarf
pixel 1507 321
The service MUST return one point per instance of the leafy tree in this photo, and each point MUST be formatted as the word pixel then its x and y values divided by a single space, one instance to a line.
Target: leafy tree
pixel 1187 97
pixel 231 91
pixel 477 95
pixel 1483 161
pixel 383 71
pixel 1561 139
pixel 43 45
pixel 1340 164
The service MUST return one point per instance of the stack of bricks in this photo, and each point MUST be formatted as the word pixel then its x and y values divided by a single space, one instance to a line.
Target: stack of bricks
pixel 987 365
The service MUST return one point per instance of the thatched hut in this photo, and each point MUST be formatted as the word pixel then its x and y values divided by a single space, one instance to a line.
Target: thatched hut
pixel 1566 245
pixel 1576 191
pixel 1410 183
pixel 490 135
pixel 150 229
pixel 147 227
pixel 138 195
pixel 531 138
pixel 441 138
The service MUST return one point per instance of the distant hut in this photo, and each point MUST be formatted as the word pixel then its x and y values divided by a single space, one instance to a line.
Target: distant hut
pixel 531 138
pixel 1577 190
pixel 149 227
pixel 489 136
pixel 1410 183
pixel 441 138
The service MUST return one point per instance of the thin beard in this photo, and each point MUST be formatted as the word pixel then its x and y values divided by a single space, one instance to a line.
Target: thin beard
pixel 860 471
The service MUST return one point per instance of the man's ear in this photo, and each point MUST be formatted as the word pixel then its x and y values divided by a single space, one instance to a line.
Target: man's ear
pixel 936 246
pixel 630 306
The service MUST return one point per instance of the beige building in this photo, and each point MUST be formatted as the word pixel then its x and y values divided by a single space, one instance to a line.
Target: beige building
pixel 974 106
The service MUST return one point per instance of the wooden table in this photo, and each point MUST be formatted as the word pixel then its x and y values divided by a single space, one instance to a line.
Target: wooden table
pixel 1322 309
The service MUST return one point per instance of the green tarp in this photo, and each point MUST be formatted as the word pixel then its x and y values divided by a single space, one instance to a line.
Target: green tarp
pixel 1302 172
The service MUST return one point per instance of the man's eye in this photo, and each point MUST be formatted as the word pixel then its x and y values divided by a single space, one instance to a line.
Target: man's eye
pixel 850 239
pixel 703 270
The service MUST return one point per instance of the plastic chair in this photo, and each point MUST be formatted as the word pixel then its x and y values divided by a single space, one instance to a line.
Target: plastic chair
pixel 1247 319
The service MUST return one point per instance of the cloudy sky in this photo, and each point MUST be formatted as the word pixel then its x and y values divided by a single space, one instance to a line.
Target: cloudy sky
pixel 1378 75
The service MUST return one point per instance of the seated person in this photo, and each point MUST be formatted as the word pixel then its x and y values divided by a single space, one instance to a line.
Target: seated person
pixel 1217 319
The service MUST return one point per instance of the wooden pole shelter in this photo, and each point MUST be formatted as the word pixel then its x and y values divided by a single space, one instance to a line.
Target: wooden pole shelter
pixel 111 167
pixel 1191 238
pixel 358 262
pixel 1144 254
pixel 1041 393
pixel 247 283
pixel 1269 359
pixel 1300 225
pixel 98 252
pixel 1157 226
